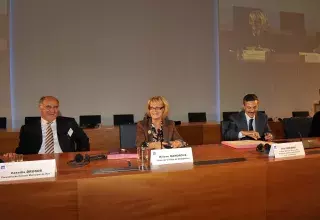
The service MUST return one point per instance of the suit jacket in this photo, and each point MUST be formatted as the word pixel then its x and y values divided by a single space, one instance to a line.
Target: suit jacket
pixel 238 122
pixel 315 126
pixel 31 137
pixel 170 132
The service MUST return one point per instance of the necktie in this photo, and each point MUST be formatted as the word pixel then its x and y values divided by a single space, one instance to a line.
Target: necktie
pixel 250 124
pixel 49 144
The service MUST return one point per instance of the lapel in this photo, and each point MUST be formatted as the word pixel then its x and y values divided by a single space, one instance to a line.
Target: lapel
pixel 147 130
pixel 38 132
pixel 165 129
pixel 60 132
pixel 244 122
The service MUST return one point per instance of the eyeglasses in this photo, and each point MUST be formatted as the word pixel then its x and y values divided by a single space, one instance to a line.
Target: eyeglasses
pixel 50 107
pixel 155 108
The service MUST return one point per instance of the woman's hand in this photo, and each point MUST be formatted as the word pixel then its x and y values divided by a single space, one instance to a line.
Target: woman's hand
pixel 176 144
pixel 156 145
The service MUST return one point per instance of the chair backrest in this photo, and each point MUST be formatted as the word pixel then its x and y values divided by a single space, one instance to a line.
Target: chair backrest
pixel 226 115
pixel 300 114
pixel 89 121
pixel 224 127
pixel 28 120
pixel 296 127
pixel 3 122
pixel 128 136
pixel 123 119
pixel 197 117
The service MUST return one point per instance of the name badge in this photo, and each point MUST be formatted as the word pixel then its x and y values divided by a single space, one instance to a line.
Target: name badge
pixel 27 170
pixel 283 150
pixel 171 156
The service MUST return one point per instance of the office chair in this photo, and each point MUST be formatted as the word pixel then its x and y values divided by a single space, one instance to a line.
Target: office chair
pixel 300 114
pixel 224 125
pixel 3 123
pixel 90 121
pixel 32 119
pixel 127 136
pixel 197 117
pixel 226 115
pixel 296 127
pixel 123 119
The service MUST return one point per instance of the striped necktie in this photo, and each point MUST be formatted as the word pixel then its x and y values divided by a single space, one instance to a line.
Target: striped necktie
pixel 49 144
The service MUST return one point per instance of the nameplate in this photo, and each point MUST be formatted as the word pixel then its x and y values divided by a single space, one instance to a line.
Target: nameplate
pixel 27 170
pixel 171 156
pixel 283 150
pixel 310 57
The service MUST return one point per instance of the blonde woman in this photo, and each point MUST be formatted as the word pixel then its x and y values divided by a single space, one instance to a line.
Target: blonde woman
pixel 156 130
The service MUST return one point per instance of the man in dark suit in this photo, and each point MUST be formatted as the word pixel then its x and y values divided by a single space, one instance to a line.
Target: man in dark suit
pixel 52 133
pixel 249 124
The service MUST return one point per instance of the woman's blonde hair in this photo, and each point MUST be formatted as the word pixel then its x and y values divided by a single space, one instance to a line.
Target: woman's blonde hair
pixel 159 99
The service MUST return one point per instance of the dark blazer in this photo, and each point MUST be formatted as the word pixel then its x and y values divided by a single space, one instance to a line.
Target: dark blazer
pixel 170 132
pixel 31 137
pixel 238 122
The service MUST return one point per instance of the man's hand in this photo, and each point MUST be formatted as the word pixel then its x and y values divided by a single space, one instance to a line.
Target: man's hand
pixel 253 134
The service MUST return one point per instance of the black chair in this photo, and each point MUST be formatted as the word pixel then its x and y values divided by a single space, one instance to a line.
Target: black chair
pixel 30 120
pixel 226 115
pixel 300 114
pixel 123 119
pixel 3 122
pixel 197 117
pixel 90 121
pixel 296 127
pixel 315 126
pixel 128 136
pixel 224 125
pixel 177 122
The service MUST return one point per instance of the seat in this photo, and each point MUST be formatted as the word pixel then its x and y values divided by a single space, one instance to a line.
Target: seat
pixel 90 121
pixel 300 114
pixel 226 115
pixel 32 119
pixel 128 136
pixel 3 123
pixel 197 117
pixel 123 119
pixel 296 127
pixel 224 125
pixel 315 126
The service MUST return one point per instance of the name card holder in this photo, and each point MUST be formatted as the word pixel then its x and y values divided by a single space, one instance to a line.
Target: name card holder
pixel 171 156
pixel 284 150
pixel 28 170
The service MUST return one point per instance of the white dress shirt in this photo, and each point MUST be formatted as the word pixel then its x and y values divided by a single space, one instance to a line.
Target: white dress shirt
pixel 240 135
pixel 44 124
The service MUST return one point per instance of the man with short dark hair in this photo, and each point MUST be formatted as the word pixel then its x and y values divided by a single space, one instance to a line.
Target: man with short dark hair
pixel 52 133
pixel 249 124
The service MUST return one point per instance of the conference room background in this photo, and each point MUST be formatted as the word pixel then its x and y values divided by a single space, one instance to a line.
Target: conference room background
pixel 109 56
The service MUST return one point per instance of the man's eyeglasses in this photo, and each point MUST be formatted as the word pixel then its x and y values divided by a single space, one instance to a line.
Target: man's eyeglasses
pixel 155 108
pixel 50 107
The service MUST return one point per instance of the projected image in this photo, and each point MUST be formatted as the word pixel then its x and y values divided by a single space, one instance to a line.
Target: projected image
pixel 250 37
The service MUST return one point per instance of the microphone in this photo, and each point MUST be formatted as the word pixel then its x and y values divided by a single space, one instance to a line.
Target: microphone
pixel 300 135
pixel 97 157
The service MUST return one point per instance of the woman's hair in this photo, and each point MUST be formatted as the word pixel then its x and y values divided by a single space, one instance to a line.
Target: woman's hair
pixel 159 99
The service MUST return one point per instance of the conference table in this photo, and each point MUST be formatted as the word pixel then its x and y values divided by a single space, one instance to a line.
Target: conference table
pixel 107 138
pixel 256 187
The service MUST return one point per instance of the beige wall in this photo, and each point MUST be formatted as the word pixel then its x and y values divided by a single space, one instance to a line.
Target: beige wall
pixel 109 56
pixel 5 107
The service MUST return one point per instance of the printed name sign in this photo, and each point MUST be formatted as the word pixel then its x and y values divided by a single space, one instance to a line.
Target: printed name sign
pixel 171 156
pixel 27 170
pixel 291 149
